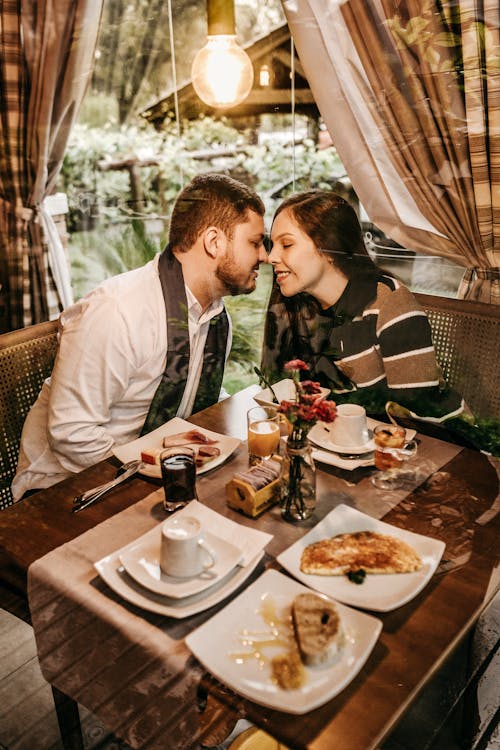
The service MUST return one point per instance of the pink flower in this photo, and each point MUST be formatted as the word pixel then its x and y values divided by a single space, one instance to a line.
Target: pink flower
pixel 296 364
pixel 287 406
pixel 309 406
pixel 310 386
pixel 326 411
pixel 310 398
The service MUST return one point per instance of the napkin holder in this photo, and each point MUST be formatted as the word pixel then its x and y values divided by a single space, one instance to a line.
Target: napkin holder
pixel 240 495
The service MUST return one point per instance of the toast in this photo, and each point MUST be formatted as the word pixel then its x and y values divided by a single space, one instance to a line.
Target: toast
pixel 317 628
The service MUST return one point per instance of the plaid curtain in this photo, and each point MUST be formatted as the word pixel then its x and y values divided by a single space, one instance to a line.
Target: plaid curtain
pixel 410 91
pixel 46 59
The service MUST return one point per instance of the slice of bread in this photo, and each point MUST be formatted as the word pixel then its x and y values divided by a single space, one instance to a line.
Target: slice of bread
pixel 317 628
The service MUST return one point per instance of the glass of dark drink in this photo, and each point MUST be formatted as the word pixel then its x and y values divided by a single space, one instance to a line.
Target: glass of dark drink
pixel 178 472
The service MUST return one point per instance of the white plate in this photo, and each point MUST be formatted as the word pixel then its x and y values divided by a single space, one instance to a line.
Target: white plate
pixel 341 462
pixel 141 560
pixel 284 390
pixel 114 574
pixel 320 436
pixel 380 593
pixel 217 641
pixel 153 440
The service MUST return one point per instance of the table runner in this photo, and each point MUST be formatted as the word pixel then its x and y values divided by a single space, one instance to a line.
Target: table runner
pixel 129 667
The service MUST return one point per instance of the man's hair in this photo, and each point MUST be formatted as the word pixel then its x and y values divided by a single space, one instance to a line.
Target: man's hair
pixel 210 200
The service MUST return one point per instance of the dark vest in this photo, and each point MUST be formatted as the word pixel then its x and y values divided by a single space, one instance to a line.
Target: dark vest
pixel 173 381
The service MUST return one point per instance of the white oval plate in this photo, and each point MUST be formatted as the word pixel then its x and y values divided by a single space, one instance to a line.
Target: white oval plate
pixel 141 560
pixel 154 440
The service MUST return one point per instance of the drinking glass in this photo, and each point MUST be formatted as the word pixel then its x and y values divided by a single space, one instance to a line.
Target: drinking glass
pixel 178 472
pixel 263 433
pixel 391 451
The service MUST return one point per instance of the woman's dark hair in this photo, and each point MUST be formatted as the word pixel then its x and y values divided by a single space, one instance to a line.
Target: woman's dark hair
pixel 334 228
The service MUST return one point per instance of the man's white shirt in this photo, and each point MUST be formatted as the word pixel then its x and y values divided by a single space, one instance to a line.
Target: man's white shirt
pixel 111 360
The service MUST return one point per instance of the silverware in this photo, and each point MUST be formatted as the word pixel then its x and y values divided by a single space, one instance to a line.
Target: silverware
pixel 90 496
pixel 263 378
pixel 354 456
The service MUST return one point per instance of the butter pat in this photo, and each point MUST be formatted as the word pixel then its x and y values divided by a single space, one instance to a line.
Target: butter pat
pixel 255 490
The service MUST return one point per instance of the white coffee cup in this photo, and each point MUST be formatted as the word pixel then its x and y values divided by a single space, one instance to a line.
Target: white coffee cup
pixel 349 428
pixel 184 552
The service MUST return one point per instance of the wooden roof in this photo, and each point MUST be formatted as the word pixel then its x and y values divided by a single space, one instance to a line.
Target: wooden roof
pixel 272 50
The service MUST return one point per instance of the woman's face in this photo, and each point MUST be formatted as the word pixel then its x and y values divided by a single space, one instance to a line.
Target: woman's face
pixel 298 265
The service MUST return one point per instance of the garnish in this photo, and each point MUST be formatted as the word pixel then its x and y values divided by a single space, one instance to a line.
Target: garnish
pixel 356 576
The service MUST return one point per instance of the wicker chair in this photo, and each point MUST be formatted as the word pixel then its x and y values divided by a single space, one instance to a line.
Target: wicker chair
pixel 26 359
pixel 466 337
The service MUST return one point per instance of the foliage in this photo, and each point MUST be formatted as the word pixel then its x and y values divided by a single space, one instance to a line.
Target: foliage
pixel 95 192
pixel 134 60
pixel 95 256
pixel 248 314
pixel 482 434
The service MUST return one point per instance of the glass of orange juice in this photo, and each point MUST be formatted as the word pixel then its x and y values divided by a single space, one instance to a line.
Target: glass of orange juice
pixel 263 433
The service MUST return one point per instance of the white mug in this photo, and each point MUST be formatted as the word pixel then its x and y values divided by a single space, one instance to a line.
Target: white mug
pixel 184 553
pixel 349 428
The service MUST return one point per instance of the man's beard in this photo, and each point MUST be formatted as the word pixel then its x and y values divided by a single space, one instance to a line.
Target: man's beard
pixel 229 273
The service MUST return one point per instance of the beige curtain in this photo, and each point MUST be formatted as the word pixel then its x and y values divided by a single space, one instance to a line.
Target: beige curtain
pixel 46 57
pixel 410 91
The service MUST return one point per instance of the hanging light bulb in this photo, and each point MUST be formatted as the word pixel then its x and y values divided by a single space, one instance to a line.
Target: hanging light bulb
pixel 222 73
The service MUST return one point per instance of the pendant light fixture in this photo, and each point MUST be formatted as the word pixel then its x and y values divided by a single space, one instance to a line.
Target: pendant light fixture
pixel 222 73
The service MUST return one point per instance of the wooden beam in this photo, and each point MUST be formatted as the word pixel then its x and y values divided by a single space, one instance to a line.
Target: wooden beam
pixel 284 58
pixel 268 97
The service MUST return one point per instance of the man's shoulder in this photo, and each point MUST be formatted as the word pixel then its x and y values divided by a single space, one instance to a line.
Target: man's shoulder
pixel 131 280
pixel 136 293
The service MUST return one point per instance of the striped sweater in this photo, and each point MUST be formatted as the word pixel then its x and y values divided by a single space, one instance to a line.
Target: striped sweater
pixel 374 342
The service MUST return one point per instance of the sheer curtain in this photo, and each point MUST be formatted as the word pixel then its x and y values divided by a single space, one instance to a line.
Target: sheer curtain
pixel 46 58
pixel 410 92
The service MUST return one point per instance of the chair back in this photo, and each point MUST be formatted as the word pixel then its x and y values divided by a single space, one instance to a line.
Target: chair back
pixel 466 337
pixel 26 359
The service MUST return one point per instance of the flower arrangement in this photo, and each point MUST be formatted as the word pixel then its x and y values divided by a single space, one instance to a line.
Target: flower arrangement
pixel 308 407
pixel 298 479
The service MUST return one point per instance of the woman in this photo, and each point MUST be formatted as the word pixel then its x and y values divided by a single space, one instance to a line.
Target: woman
pixel 360 330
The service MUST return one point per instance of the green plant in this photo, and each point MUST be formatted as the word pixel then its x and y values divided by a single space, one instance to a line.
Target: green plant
pixel 248 314
pixel 98 255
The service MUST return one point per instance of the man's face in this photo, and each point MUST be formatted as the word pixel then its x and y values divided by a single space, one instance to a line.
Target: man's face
pixel 239 263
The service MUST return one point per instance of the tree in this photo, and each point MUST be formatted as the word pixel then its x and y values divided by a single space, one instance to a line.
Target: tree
pixel 134 59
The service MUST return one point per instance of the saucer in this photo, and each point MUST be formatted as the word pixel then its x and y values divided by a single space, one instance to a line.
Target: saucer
pixel 320 436
pixel 141 560
pixel 116 577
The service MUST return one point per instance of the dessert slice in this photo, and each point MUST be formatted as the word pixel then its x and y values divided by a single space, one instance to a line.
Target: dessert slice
pixel 317 628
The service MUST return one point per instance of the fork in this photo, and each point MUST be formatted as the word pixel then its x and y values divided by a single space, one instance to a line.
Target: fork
pixel 90 496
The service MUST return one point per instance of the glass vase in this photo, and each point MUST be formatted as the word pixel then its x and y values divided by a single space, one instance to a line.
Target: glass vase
pixel 298 482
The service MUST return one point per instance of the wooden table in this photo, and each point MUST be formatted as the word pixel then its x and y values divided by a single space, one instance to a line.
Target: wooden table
pixel 416 638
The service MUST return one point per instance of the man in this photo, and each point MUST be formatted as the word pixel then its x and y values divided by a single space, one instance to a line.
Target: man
pixel 149 344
